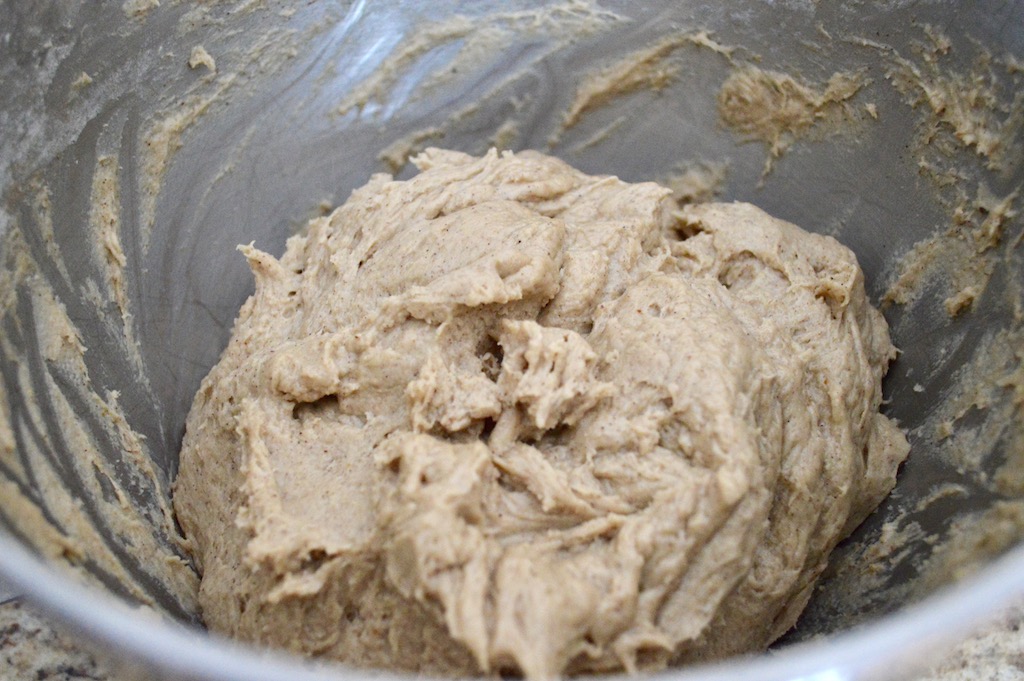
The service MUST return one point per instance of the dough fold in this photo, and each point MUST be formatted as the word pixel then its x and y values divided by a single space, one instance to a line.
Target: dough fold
pixel 506 416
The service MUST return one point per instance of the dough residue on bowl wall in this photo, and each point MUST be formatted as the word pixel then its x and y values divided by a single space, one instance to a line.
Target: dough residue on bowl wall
pixel 80 485
pixel 963 255
pixel 200 57
pixel 651 69
pixel 138 9
pixel 105 219
pixel 83 510
pixel 977 108
pixel 982 111
pixel 263 55
pixel 972 105
pixel 967 104
pixel 769 106
pixel 777 108
pixel 470 42
pixel 475 41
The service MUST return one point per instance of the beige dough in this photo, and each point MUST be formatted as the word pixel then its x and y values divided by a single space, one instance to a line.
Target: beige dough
pixel 506 416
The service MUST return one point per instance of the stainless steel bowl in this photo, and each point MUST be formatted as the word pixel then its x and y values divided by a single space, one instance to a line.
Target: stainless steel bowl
pixel 131 167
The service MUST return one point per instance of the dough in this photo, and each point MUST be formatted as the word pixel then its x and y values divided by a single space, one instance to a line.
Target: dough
pixel 509 417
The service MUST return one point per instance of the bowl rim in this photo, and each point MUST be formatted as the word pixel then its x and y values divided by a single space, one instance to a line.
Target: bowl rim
pixel 894 646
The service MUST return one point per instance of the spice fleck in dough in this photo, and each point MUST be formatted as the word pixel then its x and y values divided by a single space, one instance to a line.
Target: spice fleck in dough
pixel 505 416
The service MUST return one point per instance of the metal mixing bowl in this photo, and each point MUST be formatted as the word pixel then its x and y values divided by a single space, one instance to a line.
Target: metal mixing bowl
pixel 199 158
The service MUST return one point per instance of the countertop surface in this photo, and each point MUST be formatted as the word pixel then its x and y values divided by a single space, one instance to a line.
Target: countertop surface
pixel 32 650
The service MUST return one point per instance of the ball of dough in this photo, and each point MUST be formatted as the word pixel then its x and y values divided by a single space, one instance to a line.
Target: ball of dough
pixel 506 416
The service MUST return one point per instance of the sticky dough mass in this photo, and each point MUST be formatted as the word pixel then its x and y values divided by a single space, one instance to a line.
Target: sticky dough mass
pixel 506 416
